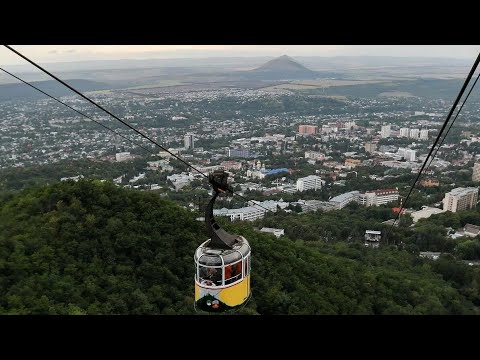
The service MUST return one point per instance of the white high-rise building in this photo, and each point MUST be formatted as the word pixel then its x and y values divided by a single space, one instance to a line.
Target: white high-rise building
pixel 378 197
pixel 386 131
pixel 476 172
pixel 409 155
pixel 414 133
pixel 189 141
pixel 460 199
pixel 424 134
pixel 404 132
pixel 367 199
pixel 386 196
pixel 310 182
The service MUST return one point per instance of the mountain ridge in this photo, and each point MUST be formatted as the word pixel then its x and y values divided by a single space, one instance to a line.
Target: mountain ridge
pixel 282 67
pixel 13 91
pixel 283 63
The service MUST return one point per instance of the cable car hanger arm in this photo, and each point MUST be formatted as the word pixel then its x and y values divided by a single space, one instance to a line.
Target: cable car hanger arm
pixel 220 238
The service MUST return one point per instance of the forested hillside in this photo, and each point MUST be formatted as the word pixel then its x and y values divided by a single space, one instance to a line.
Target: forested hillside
pixel 94 248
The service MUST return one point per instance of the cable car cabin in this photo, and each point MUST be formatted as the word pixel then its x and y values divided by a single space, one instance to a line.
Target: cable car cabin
pixel 222 280
pixel 222 263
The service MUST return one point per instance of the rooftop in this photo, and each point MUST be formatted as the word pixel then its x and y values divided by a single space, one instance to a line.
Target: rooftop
pixel 462 191
pixel 345 196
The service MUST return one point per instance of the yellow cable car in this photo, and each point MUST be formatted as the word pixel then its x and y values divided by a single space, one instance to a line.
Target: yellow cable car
pixel 222 263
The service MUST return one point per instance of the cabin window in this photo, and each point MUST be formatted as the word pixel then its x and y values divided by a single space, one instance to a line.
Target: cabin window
pixel 210 276
pixel 233 272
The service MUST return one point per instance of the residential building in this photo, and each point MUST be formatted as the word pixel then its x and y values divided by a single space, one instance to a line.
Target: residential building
pixel 367 199
pixel 414 133
pixel 314 205
pixel 166 155
pixel 370 147
pixel 386 148
pixel 314 155
pixel 404 132
pixel 342 200
pixel 189 141
pixel 327 129
pixel 240 153
pixel 409 155
pixel 424 134
pixel 386 196
pixel 310 182
pixel 460 199
pixel 307 129
pixel 231 165
pixel 476 172
pixel 378 197
pixel 349 125
pixel 385 132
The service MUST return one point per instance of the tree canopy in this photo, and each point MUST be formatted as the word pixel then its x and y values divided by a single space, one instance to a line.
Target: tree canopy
pixel 90 247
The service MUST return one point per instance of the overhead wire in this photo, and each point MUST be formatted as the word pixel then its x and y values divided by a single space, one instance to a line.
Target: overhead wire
pixel 194 168
pixel 77 111
pixel 459 96
pixel 451 124
pixel 102 108
pixel 112 115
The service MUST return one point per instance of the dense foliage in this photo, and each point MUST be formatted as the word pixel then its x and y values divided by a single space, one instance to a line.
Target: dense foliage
pixel 24 177
pixel 93 248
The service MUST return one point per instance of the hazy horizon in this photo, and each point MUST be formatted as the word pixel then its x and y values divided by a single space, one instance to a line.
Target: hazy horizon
pixel 84 53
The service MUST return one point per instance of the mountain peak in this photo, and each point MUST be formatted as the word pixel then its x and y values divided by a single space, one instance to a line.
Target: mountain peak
pixel 284 63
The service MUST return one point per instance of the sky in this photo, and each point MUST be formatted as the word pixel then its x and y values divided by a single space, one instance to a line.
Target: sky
pixel 69 53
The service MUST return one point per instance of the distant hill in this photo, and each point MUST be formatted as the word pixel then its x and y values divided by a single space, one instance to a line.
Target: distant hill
pixel 283 63
pixel 52 87
pixel 425 88
pixel 284 68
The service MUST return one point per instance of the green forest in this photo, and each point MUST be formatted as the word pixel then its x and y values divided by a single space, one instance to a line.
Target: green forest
pixel 349 225
pixel 90 247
